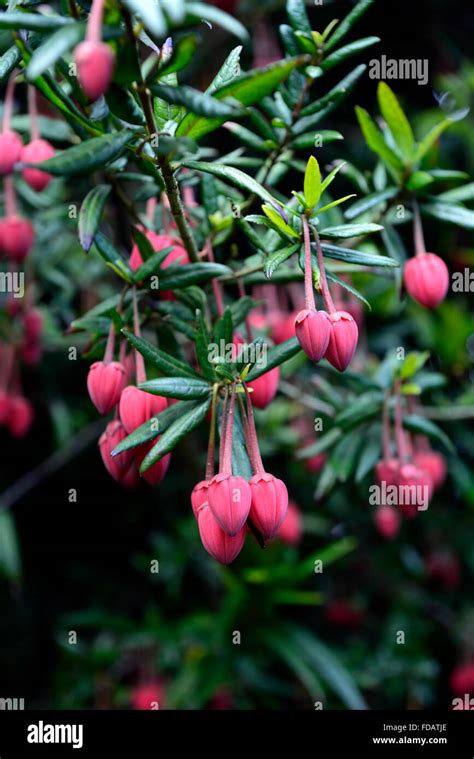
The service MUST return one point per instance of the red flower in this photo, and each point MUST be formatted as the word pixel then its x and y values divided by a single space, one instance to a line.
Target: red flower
pixel 147 696
pixel 122 467
pixel 342 340
pixel 95 64
pixel 220 545
pixel 387 521
pixel 4 406
pixel 434 464
pixel 17 237
pixel 199 496
pixel 269 503
pixel 416 484
pixel 10 149
pixel 20 417
pixel 155 474
pixel 387 471
pixel 137 407
pixel 105 383
pixel 36 152
pixel 229 498
pixel 265 388
pixel 313 331
pixel 426 278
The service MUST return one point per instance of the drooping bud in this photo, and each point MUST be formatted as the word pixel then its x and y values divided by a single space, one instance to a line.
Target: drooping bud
pixel 33 324
pixel 426 278
pixel 36 152
pixel 229 498
pixel 220 545
pixel 343 338
pixel 122 467
pixel 105 383
pixel 265 388
pixel 20 417
pixel 199 496
pixel 415 488
pixel 31 352
pixel 386 471
pixel 137 407
pixel 269 503
pixel 291 530
pixel 155 474
pixel 313 330
pixel 147 696
pixel 434 464
pixel 387 521
pixel 282 326
pixel 17 236
pixel 462 679
pixel 95 64
pixel 10 150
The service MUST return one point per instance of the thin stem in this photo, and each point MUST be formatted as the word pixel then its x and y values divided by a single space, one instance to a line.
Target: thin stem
pixel 399 431
pixel 216 286
pixel 223 428
pixel 328 302
pixel 10 197
pixel 33 111
pixel 308 268
pixel 150 209
pixel 254 449
pixel 211 448
pixel 176 205
pixel 8 102
pixel 110 347
pixel 386 446
pixel 245 423
pixel 140 372
pixel 94 24
pixel 420 248
pixel 227 462
pixel 248 325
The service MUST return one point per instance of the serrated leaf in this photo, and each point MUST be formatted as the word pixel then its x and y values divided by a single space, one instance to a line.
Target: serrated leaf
pixel 182 388
pixel 164 362
pixel 91 213
pixel 89 155
pixel 175 433
pixel 396 120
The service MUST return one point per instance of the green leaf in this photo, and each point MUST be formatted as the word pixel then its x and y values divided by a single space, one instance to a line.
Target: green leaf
pixel 175 10
pixel 348 51
pixel 175 433
pixel 151 13
pixel 183 53
pixel 178 276
pixel 297 16
pixel 10 564
pixel 371 201
pixel 337 94
pixel 8 61
pixel 240 461
pixel 182 388
pixel 312 182
pixel 375 139
pixel 350 230
pixel 342 283
pixel 33 21
pixel 113 258
pixel 288 654
pixel 275 357
pixel 325 136
pixel 235 176
pixel 248 88
pixel 453 214
pixel 346 24
pixel 324 443
pixel 201 346
pixel 89 155
pixel 423 426
pixel 278 222
pixel 435 133
pixel 334 203
pixel 224 329
pixel 229 71
pixel 154 426
pixel 367 407
pixel 151 265
pixel 53 48
pixel 195 101
pixel 458 195
pixel 280 256
pixel 396 120
pixel 350 256
pixel 164 362
pixel 91 213
pixel 201 11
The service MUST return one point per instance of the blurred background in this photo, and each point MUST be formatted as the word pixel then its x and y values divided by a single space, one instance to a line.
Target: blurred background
pixel 87 620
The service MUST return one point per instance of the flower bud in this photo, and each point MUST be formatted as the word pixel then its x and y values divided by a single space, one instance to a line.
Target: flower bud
pixel 462 679
pixel 387 521
pixel 155 474
pixel 282 326
pixel 221 546
pixel 229 499
pixel 4 406
pixel 137 407
pixel 417 489
pixel 313 330
pixel 199 496
pixel 122 467
pixel 10 149
pixel 265 388
pixel 36 152
pixel 269 503
pixel 342 340
pixel 105 383
pixel 147 696
pixel 33 324
pixel 426 278
pixel 20 417
pixel 434 464
pixel 31 352
pixel 386 471
pixel 17 236
pixel 95 64
pixel 291 530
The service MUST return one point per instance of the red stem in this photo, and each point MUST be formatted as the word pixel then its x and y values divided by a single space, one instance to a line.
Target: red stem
pixel 211 448
pixel 223 429
pixel 150 209
pixel 253 440
pixel 216 286
pixel 33 111
pixel 386 430
pixel 8 102
pixel 94 24
pixel 420 248
pixel 110 347
pixel 399 431
pixel 227 462
pixel 10 197
pixel 328 301
pixel 308 268
pixel 248 326
pixel 140 372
